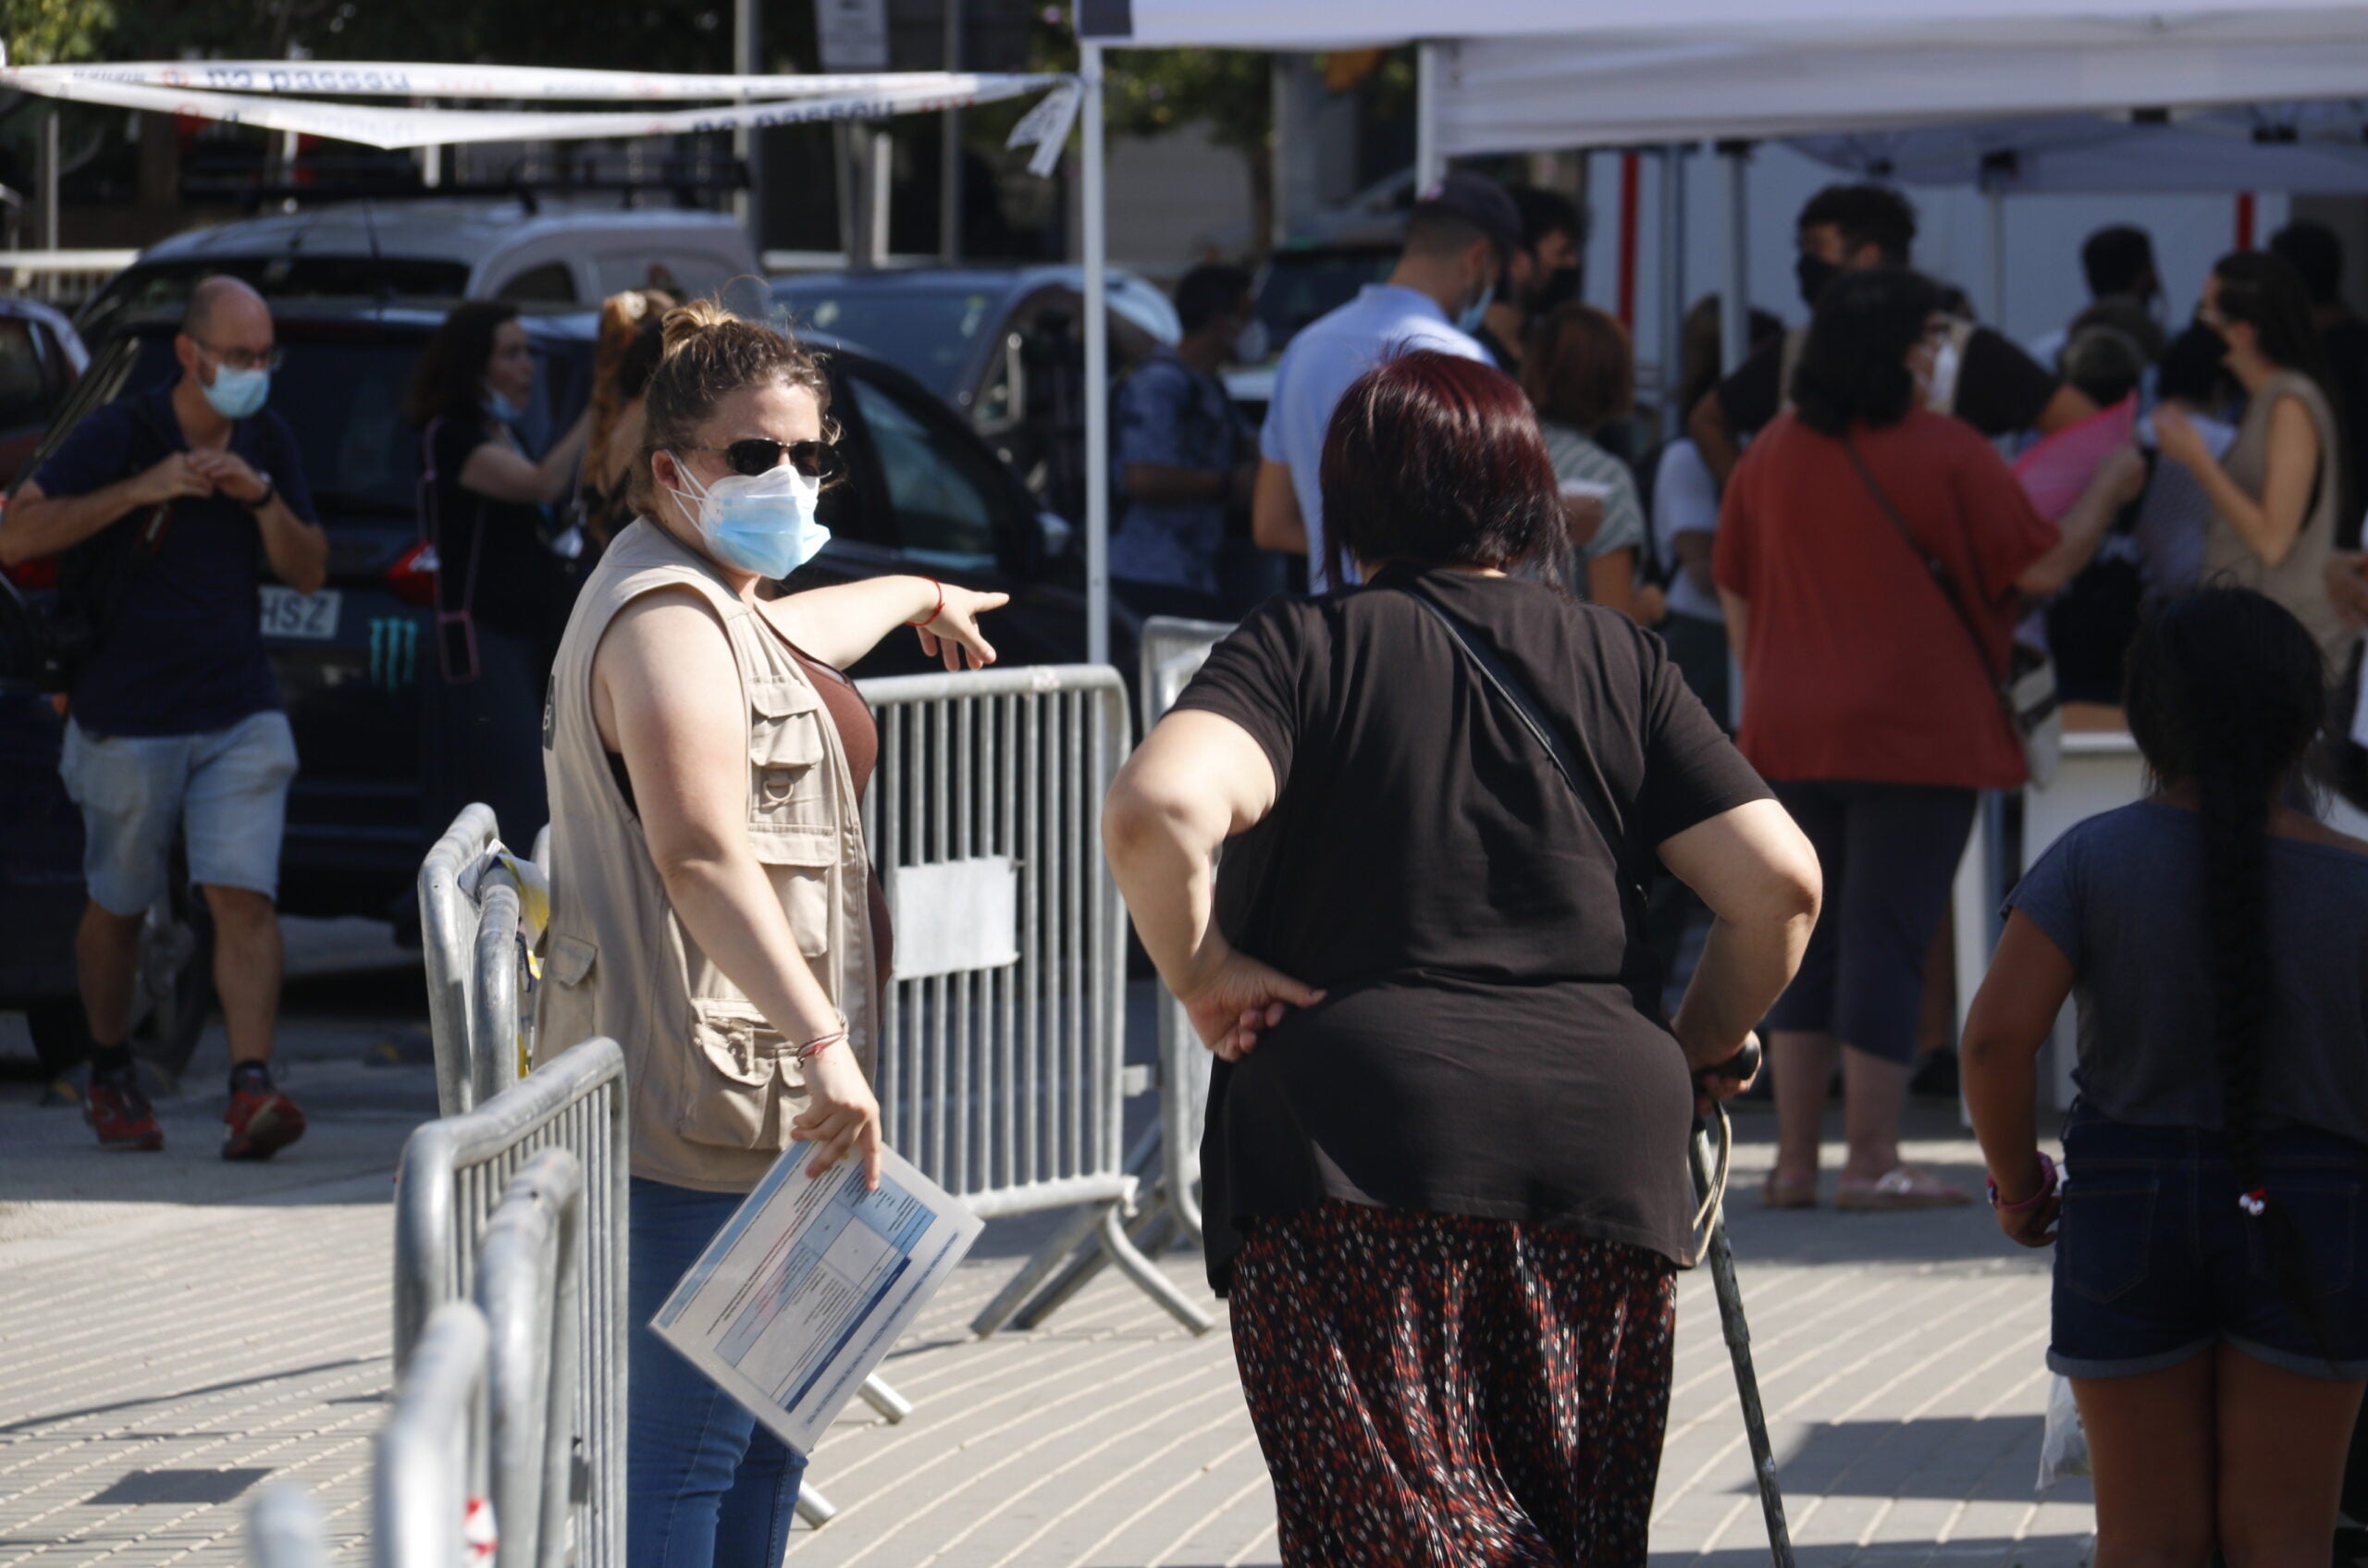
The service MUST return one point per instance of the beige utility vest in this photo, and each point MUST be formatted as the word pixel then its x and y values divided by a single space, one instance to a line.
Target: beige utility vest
pixel 713 1086
pixel 2298 581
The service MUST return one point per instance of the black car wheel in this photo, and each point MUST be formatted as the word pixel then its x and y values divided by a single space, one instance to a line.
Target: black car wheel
pixel 174 992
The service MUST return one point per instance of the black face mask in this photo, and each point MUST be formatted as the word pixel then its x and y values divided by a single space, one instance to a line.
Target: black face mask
pixel 1814 273
pixel 2206 332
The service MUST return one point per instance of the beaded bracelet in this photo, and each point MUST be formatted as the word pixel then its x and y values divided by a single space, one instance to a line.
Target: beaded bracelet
pixel 932 617
pixel 2046 1189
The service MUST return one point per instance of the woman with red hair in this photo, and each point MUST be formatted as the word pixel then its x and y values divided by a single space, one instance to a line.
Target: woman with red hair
pixel 1446 1158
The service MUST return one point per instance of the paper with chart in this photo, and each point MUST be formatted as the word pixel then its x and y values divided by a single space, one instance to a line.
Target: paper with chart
pixel 812 1283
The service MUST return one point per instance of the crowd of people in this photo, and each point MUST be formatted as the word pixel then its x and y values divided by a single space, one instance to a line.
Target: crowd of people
pixel 1544 705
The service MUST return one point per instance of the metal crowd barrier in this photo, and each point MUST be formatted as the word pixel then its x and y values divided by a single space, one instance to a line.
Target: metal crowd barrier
pixel 530 1288
pixel 1002 1045
pixel 453 1176
pixel 1169 1154
pixel 432 1455
pixel 453 945
pixel 284 1528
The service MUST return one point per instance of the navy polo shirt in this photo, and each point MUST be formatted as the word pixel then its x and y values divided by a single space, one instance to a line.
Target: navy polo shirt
pixel 180 641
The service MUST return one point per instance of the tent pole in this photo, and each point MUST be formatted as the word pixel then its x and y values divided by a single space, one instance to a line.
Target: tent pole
pixel 1429 165
pixel 1993 206
pixel 1672 312
pixel 1735 298
pixel 1097 368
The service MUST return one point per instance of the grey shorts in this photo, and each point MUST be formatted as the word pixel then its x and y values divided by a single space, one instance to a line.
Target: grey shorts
pixel 227 790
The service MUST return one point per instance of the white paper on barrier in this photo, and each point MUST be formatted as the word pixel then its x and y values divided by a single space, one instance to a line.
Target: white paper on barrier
pixel 812 1283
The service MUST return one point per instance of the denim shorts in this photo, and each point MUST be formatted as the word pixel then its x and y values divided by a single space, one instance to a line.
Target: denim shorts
pixel 227 790
pixel 2155 1261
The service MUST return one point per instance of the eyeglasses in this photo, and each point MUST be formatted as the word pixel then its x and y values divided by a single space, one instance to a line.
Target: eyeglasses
pixel 245 359
pixel 763 454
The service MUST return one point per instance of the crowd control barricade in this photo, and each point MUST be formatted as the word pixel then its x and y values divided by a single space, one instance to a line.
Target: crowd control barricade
pixel 431 1465
pixel 470 947
pixel 1169 1154
pixel 1002 1043
pixel 530 1288
pixel 453 1175
pixel 284 1528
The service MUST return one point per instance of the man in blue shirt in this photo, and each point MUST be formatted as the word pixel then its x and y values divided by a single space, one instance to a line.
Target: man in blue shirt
pixel 1459 237
pixel 1179 454
pixel 177 495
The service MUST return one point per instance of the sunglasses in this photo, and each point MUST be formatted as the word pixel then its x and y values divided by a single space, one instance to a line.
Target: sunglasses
pixel 763 454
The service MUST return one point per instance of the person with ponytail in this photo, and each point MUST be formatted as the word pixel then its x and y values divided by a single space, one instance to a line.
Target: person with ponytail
pixel 713 910
pixel 2279 493
pixel 2211 1296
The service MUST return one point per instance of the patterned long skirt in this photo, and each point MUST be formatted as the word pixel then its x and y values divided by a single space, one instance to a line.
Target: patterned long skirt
pixel 1439 1391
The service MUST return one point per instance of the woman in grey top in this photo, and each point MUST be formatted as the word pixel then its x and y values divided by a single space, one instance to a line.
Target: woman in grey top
pixel 2210 1302
pixel 2276 496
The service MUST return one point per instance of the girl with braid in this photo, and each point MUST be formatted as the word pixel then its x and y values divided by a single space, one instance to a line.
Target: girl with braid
pixel 2211 1299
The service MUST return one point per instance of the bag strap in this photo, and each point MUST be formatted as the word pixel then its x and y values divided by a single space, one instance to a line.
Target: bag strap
pixel 1573 762
pixel 1934 567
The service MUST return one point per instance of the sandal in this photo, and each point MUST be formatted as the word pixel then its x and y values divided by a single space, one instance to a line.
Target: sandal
pixel 1788 1194
pixel 1900 1187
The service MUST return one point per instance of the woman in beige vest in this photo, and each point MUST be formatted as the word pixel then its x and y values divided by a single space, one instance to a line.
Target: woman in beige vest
pixel 2276 495
pixel 713 908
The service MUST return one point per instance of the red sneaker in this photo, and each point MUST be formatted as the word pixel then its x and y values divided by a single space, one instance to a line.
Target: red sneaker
pixel 121 1116
pixel 259 1123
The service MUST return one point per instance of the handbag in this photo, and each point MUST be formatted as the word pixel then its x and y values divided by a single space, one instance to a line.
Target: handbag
pixel 2026 691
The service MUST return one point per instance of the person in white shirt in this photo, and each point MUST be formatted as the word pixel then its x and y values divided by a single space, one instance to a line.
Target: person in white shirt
pixel 1458 239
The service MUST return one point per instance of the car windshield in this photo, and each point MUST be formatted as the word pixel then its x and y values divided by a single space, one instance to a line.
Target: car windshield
pixel 158 287
pixel 1299 285
pixel 343 399
pixel 929 331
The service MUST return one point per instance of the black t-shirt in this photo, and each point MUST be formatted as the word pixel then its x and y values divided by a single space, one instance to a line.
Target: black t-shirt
pixel 2000 389
pixel 181 627
pixel 1493 1042
pixel 491 561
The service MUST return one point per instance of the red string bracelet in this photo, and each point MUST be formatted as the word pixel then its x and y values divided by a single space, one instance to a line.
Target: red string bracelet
pixel 933 614
pixel 815 1048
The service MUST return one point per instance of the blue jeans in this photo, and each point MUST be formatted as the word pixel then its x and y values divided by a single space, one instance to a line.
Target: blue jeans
pixel 705 1484
pixel 2156 1263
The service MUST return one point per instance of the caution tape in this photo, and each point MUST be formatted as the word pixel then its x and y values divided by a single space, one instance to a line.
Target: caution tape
pixel 170 89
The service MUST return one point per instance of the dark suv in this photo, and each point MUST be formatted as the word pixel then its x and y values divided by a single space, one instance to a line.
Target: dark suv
pixel 924 493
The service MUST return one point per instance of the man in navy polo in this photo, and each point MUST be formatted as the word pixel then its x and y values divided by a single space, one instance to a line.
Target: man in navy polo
pixel 182 492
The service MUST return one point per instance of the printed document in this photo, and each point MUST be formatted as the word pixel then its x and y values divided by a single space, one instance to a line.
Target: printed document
pixel 810 1285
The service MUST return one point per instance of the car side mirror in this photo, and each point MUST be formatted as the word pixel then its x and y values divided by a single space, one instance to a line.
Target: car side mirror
pixel 1055 536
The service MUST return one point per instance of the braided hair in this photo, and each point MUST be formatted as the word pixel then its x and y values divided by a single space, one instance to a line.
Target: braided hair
pixel 2226 693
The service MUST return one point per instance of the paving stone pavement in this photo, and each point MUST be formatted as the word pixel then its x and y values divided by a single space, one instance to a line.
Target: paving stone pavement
pixel 173 1332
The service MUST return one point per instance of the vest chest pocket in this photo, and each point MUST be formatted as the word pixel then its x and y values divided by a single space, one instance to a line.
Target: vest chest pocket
pixel 789 787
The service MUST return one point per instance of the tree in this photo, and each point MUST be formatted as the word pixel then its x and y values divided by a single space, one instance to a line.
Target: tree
pixel 1230 91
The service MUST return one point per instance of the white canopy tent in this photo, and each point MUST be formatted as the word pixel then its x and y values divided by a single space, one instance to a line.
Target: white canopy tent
pixel 1547 75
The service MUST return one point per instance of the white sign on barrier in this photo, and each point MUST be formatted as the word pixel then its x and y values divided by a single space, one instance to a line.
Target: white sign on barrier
pixel 953 915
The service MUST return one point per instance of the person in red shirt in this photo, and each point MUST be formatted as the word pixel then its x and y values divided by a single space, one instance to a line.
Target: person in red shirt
pixel 1867 704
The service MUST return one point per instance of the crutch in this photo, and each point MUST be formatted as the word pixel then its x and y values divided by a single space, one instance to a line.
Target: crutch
pixel 1711 1190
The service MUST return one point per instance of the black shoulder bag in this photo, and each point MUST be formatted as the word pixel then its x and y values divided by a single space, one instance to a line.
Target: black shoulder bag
pixel 2027 692
pixel 91 573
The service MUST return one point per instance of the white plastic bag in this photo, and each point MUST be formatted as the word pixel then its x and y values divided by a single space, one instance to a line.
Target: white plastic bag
pixel 2063 1450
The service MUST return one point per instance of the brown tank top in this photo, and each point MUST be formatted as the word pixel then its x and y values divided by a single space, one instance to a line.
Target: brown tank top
pixel 859 735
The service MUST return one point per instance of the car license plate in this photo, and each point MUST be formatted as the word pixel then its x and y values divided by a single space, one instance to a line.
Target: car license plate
pixel 287 614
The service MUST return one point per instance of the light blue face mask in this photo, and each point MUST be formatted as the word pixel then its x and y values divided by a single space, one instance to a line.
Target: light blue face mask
pixel 238 394
pixel 761 522
pixel 1476 312
pixel 501 408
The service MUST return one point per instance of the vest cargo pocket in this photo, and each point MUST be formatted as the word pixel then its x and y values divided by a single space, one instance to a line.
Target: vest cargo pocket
pixel 788 791
pixel 739 1073
pixel 570 959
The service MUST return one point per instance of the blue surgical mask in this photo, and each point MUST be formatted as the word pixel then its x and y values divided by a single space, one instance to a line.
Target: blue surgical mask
pixel 238 394
pixel 761 522
pixel 501 408
pixel 1475 313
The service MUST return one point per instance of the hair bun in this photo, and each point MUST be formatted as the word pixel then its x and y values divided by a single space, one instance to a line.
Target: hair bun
pixel 687 324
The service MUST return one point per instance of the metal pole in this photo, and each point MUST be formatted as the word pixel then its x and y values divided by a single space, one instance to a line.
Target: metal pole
pixel 1673 313
pixel 1429 165
pixel 1993 211
pixel 748 206
pixel 949 173
pixel 1097 369
pixel 882 171
pixel 850 204
pixel 49 236
pixel 1735 301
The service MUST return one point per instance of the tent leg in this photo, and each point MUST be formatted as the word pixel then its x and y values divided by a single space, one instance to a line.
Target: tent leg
pixel 1430 164
pixel 1672 283
pixel 1096 240
pixel 1734 298
pixel 1993 212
